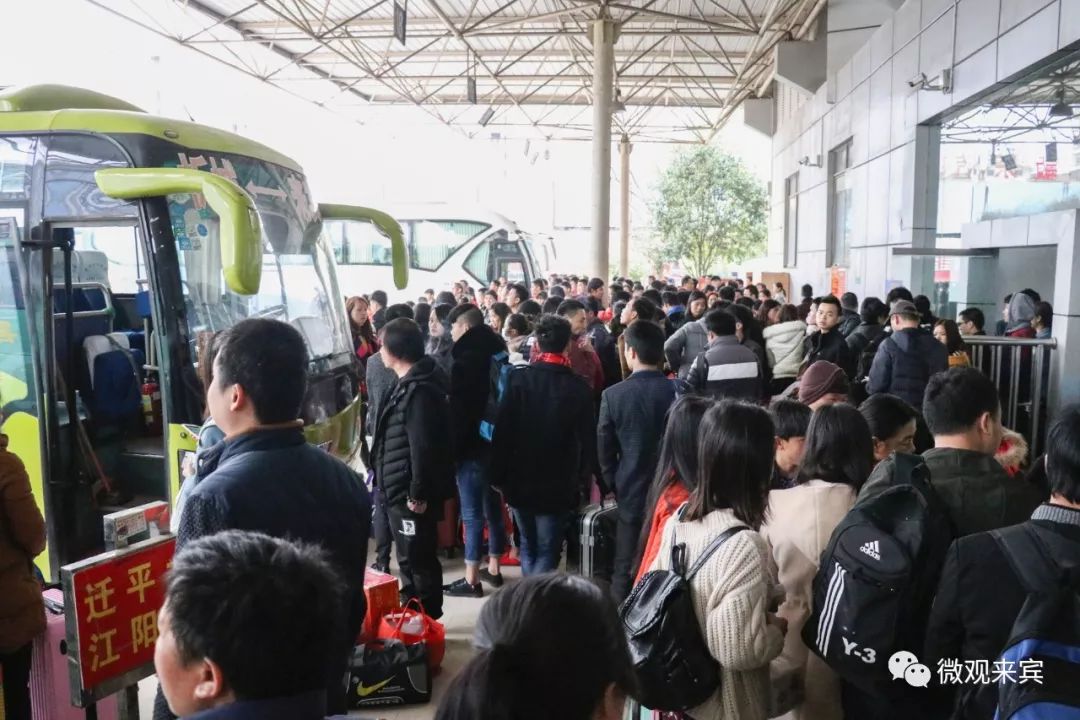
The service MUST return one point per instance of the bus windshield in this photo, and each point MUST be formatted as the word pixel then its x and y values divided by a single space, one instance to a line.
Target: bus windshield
pixel 298 285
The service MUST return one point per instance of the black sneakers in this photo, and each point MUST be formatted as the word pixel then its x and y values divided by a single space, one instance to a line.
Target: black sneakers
pixel 495 581
pixel 378 567
pixel 461 588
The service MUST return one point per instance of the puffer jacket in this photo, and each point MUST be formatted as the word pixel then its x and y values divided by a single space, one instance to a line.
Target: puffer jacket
pixel 413 450
pixel 682 348
pixel 728 369
pixel 904 364
pixel 849 321
pixel 977 493
pixel 784 346
pixel 22 538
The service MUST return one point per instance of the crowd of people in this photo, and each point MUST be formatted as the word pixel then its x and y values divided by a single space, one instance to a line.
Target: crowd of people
pixel 705 409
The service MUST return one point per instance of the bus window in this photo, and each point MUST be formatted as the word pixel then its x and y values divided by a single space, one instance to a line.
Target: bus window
pixel 16 363
pixel 125 261
pixel 432 242
pixel 16 160
pixel 513 271
pixel 70 189
pixel 478 264
pixel 358 243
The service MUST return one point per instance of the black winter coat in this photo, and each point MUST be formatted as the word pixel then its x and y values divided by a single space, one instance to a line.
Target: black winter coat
pixel 848 322
pixel 470 385
pixel 413 451
pixel 979 599
pixel 904 364
pixel 607 350
pixel 829 346
pixel 632 418
pixel 544 447
pixel 274 482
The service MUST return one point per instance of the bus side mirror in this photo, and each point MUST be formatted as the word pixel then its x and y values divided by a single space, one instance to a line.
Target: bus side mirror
pixel 241 232
pixel 387 225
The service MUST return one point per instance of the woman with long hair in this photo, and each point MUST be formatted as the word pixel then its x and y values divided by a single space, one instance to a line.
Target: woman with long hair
pixel 365 344
pixel 734 588
pixel 838 460
pixel 497 315
pixel 947 333
pixel 767 313
pixel 676 472
pixel 547 646
pixel 440 342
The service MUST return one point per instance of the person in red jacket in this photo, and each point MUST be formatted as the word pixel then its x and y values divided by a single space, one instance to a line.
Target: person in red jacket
pixel 583 358
pixel 676 473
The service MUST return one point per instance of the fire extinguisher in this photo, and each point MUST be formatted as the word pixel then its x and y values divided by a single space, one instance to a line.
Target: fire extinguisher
pixel 151 406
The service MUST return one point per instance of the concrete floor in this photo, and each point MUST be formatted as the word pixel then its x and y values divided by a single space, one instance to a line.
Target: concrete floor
pixel 459 618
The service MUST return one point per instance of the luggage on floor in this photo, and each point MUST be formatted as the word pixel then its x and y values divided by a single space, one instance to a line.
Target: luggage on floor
pixel 50 693
pixel 387 674
pixel 412 626
pixel 591 546
pixel 382 593
pixel 447 528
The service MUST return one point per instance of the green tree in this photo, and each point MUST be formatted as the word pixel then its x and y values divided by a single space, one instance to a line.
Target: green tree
pixel 709 208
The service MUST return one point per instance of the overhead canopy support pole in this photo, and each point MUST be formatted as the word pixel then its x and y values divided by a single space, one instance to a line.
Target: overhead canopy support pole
pixel 603 85
pixel 624 205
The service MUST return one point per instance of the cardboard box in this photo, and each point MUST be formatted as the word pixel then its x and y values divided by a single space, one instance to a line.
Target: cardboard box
pixel 381 591
pixel 389 675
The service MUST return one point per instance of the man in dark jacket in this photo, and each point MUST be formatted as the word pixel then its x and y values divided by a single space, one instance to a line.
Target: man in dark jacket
pixel 602 342
pixel 964 415
pixel 727 369
pixel 247 626
pixel 850 319
pixel 632 418
pixel 873 315
pixel 378 310
pixel 413 458
pixel 475 348
pixel 544 449
pixel 380 382
pixel 828 343
pixel 981 591
pixel 266 477
pixel 807 301
pixel 907 360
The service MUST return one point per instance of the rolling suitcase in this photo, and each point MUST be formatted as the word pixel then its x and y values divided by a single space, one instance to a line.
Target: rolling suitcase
pixel 591 545
pixel 50 695
pixel 447 528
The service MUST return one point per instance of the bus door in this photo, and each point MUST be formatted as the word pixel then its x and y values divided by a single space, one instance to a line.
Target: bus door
pixel 508 260
pixel 105 453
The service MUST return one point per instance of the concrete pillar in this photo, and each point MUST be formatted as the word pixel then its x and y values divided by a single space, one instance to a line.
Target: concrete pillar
pixel 1065 372
pixel 603 87
pixel 625 148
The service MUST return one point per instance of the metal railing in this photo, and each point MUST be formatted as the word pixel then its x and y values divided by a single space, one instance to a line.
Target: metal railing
pixel 1020 370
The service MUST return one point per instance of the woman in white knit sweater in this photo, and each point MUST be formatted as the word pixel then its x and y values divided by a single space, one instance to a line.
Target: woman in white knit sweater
pixel 839 458
pixel 733 592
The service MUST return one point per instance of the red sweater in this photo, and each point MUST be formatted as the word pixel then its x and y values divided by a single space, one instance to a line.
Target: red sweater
pixel 670 501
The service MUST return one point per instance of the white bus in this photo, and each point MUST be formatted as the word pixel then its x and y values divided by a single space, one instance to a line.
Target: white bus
pixel 446 245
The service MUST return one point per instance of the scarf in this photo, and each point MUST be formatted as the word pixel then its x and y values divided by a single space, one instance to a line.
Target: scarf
pixel 553 359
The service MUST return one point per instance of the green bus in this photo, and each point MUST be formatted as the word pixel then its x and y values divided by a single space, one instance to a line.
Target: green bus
pixel 127 241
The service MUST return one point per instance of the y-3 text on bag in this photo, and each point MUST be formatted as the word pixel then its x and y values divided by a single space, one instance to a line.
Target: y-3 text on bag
pixel 867 655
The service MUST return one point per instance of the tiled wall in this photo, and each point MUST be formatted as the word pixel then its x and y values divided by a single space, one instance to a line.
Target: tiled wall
pixel 893 162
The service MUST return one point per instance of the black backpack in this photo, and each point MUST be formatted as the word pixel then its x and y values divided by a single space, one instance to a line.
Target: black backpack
pixel 1045 635
pixel 877 579
pixel 675 670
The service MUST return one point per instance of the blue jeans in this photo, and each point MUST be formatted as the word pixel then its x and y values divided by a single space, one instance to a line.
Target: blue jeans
pixel 479 502
pixel 541 540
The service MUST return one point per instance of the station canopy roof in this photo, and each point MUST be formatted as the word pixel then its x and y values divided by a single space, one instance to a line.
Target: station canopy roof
pixel 681 66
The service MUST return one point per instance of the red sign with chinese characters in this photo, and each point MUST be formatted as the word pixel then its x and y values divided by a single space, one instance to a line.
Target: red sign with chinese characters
pixel 115 599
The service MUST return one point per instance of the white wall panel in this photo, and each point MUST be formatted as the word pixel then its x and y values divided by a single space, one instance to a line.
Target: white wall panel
pixel 1027 43
pixel 976 26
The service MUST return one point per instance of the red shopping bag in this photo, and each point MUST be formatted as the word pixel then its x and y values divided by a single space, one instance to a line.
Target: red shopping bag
pixel 411 626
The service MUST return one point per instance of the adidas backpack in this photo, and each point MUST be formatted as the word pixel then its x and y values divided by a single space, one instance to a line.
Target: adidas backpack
pixel 674 668
pixel 1046 633
pixel 877 578
pixel 501 367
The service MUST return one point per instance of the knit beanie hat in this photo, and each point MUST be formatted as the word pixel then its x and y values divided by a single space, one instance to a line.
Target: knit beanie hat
pixel 821 379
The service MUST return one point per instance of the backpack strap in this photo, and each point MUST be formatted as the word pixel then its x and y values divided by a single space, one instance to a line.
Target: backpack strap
pixel 712 548
pixel 1028 556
